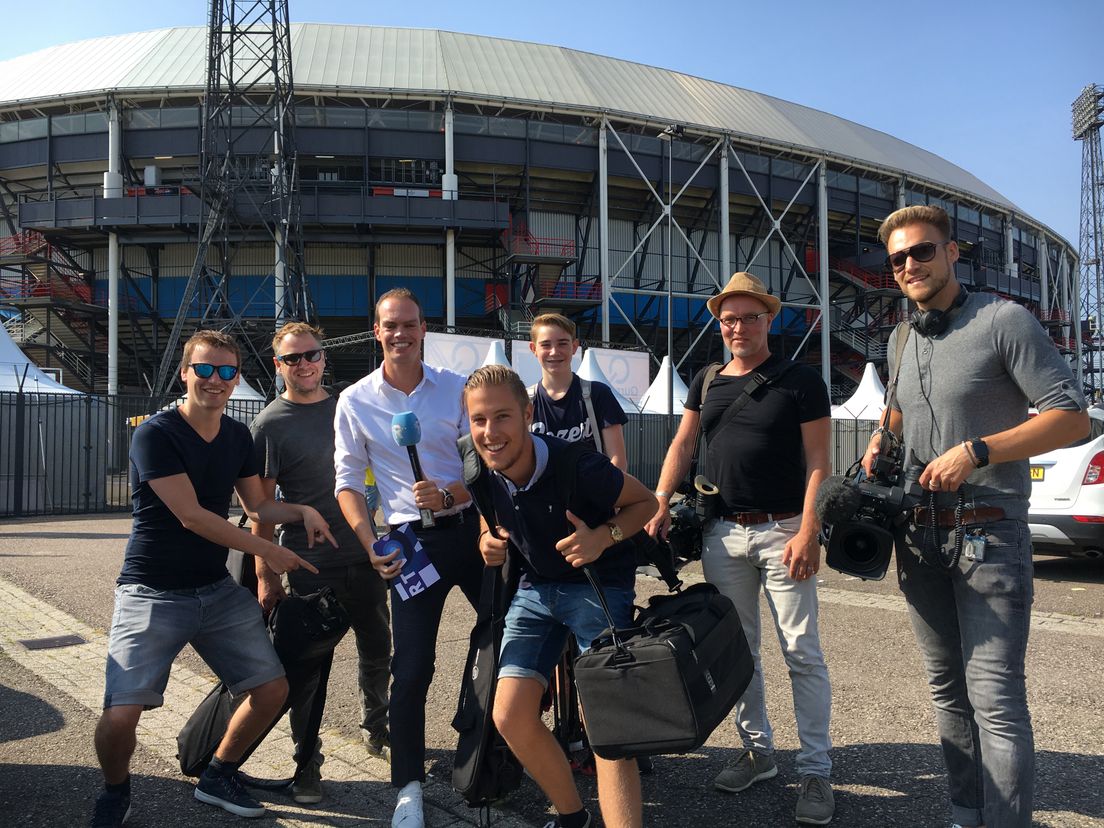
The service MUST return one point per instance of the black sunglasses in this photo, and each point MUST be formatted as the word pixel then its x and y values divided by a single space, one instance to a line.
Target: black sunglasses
pixel 312 355
pixel 204 370
pixel 923 252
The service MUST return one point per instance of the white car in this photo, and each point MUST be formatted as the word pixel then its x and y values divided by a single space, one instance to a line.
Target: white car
pixel 1066 513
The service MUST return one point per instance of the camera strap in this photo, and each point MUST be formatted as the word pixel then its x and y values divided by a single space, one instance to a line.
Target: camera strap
pixel 758 380
pixel 903 329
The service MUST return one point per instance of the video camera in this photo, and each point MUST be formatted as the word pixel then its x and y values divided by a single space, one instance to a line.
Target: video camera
pixel 857 514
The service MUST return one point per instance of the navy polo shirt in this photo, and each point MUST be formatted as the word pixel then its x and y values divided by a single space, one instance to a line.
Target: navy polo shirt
pixel 534 514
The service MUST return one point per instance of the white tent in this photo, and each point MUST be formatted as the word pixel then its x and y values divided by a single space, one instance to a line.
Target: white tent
pixel 654 400
pixel 867 401
pixel 590 370
pixel 496 354
pixel 17 372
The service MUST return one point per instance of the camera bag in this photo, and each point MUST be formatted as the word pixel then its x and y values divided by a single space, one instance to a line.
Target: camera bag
pixel 665 684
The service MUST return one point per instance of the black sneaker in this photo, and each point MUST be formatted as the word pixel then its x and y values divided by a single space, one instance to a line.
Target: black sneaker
pixel 112 810
pixel 377 744
pixel 226 792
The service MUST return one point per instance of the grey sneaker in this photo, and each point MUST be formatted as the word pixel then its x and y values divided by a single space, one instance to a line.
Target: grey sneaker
pixel 750 768
pixel 815 803
pixel 225 791
pixel 307 787
pixel 377 744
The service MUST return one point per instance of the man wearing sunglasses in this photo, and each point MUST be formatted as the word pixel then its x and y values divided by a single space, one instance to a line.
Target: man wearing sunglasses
pixel 364 438
pixel 174 588
pixel 294 440
pixel 970 365
pixel 767 453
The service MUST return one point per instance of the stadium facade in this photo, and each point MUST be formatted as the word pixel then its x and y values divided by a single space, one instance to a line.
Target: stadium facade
pixel 497 179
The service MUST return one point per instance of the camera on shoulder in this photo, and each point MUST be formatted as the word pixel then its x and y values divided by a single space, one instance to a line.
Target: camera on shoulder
pixel 858 514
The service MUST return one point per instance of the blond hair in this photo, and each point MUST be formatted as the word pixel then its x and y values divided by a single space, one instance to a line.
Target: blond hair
pixel 212 339
pixel 295 329
pixel 557 319
pixel 917 214
pixel 501 376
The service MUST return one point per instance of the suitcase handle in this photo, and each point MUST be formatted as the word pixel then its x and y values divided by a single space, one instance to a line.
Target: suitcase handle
pixel 622 652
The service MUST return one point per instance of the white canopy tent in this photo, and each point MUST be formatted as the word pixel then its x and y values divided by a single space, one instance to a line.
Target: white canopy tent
pixel 496 354
pixel 589 369
pixel 867 401
pixel 654 400
pixel 17 372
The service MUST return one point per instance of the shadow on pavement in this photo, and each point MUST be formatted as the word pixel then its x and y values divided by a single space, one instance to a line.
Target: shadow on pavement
pixel 1070 570
pixel 66 535
pixel 26 715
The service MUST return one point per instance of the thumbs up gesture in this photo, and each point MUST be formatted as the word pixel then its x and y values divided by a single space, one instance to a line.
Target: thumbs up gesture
pixel 584 545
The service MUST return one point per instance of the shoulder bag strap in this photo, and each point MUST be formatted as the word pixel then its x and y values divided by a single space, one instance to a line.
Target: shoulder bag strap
pixel 903 329
pixel 591 418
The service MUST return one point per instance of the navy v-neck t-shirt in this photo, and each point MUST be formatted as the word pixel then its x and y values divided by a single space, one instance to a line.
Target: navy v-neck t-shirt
pixel 161 553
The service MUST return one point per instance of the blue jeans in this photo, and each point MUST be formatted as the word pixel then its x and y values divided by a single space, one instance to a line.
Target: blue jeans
pixel 541 616
pixel 972 624
pixel 454 551
pixel 741 561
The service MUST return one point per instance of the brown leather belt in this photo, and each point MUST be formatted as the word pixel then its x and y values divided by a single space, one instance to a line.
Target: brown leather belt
pixel 754 518
pixel 945 518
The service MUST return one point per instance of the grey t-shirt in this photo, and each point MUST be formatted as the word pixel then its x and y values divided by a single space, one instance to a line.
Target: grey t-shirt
pixel 975 379
pixel 294 443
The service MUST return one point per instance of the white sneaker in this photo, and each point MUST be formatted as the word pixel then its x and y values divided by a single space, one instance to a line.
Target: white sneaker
pixel 408 809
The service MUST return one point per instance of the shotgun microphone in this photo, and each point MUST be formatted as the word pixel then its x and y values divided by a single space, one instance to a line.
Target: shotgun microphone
pixel 407 431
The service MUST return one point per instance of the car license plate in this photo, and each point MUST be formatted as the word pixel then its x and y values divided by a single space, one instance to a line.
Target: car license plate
pixel 1037 473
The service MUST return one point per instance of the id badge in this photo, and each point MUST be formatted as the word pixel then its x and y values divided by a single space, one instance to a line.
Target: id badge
pixel 973 546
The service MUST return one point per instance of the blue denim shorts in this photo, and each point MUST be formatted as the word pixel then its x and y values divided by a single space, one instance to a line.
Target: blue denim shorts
pixel 222 621
pixel 541 616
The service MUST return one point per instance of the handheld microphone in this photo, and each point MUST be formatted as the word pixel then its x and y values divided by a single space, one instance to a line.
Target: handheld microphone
pixel 407 431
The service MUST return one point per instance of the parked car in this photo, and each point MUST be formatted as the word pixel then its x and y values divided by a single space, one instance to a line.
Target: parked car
pixel 1066 513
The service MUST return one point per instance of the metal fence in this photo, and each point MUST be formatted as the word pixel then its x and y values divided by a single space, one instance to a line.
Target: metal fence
pixel 66 454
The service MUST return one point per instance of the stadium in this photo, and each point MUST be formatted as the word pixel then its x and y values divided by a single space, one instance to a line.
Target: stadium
pixel 497 179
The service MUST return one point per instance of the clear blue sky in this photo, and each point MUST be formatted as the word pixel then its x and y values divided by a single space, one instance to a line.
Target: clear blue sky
pixel 983 83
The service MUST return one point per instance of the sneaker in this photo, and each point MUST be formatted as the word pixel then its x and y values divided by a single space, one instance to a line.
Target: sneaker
pixel 378 745
pixel 307 787
pixel 226 791
pixel 408 809
pixel 750 768
pixel 815 803
pixel 111 810
pixel 555 823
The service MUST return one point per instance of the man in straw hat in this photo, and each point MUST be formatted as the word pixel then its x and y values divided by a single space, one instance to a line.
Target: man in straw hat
pixel 767 454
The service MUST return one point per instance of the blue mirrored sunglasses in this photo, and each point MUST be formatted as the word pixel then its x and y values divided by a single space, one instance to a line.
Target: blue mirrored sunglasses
pixel 204 370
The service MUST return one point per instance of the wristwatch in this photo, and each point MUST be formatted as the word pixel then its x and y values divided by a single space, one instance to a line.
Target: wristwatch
pixel 981 452
pixel 450 501
pixel 615 533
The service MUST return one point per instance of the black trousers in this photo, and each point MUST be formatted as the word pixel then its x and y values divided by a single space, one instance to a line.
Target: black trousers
pixel 454 551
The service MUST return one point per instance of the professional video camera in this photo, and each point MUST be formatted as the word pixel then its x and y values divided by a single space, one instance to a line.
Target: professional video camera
pixel 857 514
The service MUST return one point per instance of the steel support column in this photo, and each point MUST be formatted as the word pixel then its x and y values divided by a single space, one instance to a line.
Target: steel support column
pixel 603 225
pixel 822 252
pixel 113 188
pixel 1043 256
pixel 448 191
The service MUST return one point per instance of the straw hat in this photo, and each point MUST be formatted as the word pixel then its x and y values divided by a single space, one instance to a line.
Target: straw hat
pixel 744 284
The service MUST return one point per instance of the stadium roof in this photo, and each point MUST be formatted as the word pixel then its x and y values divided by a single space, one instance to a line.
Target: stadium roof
pixel 340 59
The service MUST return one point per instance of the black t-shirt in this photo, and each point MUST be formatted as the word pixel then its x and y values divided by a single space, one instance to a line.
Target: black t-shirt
pixel 161 553
pixel 536 519
pixel 566 417
pixel 758 459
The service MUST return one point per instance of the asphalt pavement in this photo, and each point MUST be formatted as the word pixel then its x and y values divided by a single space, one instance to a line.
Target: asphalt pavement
pixel 57 576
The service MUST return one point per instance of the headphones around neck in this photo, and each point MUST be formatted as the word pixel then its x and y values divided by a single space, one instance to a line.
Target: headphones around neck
pixel 929 323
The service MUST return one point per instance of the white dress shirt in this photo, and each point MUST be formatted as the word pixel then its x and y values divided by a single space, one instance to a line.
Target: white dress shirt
pixel 362 437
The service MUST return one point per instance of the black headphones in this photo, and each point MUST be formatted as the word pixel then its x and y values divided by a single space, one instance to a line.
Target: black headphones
pixel 929 323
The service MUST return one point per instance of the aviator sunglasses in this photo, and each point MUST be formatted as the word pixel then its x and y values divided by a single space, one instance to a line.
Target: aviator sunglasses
pixel 312 355
pixel 923 252
pixel 204 370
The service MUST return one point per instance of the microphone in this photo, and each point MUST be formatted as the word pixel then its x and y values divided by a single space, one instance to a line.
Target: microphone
pixel 407 431
pixel 837 500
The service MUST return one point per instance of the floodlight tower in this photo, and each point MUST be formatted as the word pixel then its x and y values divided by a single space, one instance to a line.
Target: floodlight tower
pixel 1088 117
pixel 248 183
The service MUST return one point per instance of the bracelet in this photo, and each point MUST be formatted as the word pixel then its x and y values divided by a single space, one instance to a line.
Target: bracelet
pixel 970 453
pixel 663 494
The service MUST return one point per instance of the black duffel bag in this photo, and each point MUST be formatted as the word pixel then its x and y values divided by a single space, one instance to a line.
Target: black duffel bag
pixel 663 685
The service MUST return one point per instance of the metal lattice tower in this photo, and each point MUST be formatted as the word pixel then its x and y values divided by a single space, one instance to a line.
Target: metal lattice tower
pixel 1088 117
pixel 248 183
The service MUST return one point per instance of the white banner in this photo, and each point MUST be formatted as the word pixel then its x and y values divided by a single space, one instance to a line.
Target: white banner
pixel 462 354
pixel 627 371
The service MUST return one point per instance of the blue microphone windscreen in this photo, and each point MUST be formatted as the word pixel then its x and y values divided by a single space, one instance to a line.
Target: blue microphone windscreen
pixel 406 429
